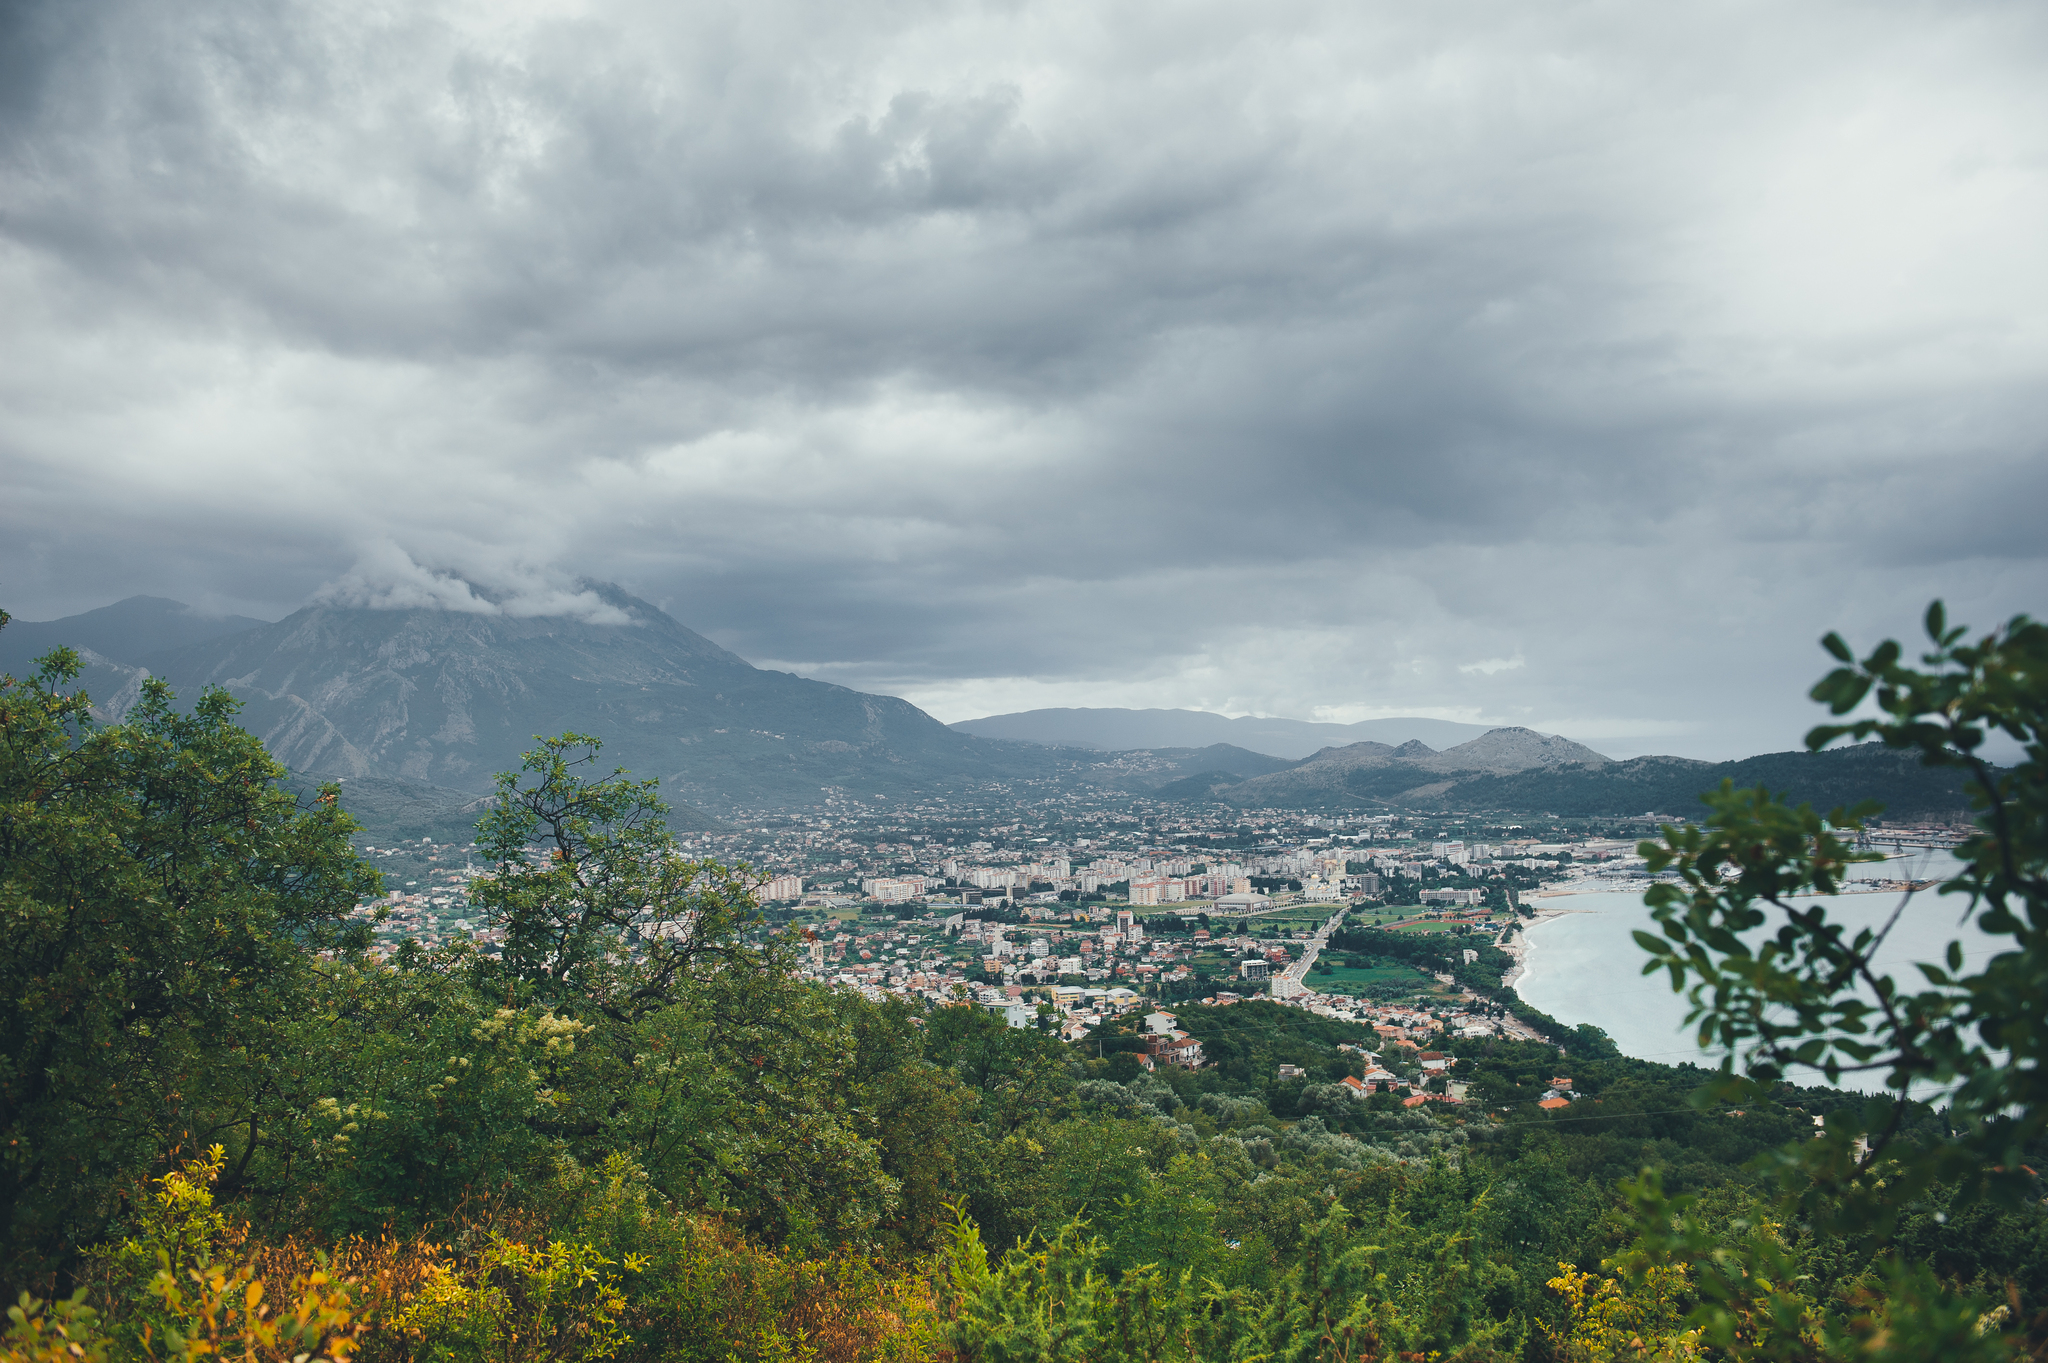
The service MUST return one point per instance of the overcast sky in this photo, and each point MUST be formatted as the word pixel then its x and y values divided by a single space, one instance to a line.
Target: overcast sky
pixel 1566 365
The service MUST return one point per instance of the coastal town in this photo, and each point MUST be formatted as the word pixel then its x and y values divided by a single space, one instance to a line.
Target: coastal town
pixel 1072 920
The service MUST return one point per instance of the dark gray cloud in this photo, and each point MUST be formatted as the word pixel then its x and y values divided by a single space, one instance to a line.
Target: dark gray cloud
pixel 1572 368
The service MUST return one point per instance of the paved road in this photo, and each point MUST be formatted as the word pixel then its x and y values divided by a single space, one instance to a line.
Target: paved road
pixel 1289 982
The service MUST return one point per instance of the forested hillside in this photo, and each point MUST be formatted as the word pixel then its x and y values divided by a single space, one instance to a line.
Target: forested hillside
pixel 633 1133
pixel 1670 785
pixel 1664 785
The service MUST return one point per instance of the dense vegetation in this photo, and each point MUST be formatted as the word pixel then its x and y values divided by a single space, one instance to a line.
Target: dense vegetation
pixel 632 1133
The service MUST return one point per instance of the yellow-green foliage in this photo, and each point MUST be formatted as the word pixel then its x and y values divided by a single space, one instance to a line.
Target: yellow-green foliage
pixel 177 1228
pixel 515 1303
pixel 1613 1320
pixel 630 1278
pixel 223 1313
pixel 1355 1292
pixel 696 1289
pixel 1047 1303
pixel 169 1299
pixel 53 1332
pixel 208 1312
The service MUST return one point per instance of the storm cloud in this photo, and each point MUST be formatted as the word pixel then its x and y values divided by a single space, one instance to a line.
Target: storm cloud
pixel 1571 366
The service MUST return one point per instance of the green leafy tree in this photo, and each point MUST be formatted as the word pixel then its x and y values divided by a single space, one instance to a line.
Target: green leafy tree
pixel 164 903
pixel 597 905
pixel 728 1079
pixel 1020 1072
pixel 1780 987
pixel 409 1090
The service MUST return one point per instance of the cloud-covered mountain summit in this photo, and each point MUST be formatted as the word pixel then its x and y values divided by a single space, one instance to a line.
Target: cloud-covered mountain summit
pixel 448 697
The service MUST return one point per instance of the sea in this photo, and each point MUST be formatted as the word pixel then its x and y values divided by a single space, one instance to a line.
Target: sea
pixel 1584 965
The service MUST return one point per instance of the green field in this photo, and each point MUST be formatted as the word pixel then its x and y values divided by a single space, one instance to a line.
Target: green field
pixel 1394 918
pixel 1349 981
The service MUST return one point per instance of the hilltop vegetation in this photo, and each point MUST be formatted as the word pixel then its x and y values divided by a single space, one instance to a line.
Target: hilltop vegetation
pixel 634 1134
pixel 1907 787
pixel 1418 779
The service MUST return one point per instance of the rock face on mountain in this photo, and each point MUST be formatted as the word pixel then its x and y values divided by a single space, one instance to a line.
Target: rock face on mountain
pixel 449 698
pixel 1500 751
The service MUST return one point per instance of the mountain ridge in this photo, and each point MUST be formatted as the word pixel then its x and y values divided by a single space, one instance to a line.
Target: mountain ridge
pixel 424 706
pixel 446 699
pixel 1335 775
pixel 124 633
pixel 1111 729
pixel 1667 786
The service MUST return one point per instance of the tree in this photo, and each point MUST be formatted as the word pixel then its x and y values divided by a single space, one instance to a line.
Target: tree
pixel 164 902
pixel 598 907
pixel 1810 995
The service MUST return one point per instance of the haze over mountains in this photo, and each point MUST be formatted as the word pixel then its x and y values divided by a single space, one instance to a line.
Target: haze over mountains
pixel 1378 773
pixel 416 708
pixel 138 627
pixel 1114 730
pixel 447 698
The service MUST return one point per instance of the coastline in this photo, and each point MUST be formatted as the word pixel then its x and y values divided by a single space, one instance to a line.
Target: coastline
pixel 1518 948
pixel 1544 913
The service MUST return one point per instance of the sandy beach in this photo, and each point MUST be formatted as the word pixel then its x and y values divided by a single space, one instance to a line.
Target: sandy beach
pixel 1518 945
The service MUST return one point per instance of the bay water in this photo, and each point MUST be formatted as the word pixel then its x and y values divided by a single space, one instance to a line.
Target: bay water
pixel 1584 966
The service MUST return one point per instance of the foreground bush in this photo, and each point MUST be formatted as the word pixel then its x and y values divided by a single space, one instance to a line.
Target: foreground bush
pixel 622 1276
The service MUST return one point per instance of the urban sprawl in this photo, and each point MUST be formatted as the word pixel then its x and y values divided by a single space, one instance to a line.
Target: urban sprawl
pixel 1064 919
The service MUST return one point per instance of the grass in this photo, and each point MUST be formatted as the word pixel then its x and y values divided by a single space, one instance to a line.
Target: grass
pixel 1397 919
pixel 1348 981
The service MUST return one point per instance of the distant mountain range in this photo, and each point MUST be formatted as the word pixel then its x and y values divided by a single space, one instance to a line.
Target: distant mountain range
pixel 1112 730
pixel 1672 785
pixel 415 710
pixel 442 700
pixel 1379 771
pixel 112 640
pixel 136 628
pixel 1520 770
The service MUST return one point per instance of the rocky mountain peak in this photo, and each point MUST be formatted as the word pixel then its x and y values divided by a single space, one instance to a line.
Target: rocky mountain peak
pixel 1517 749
